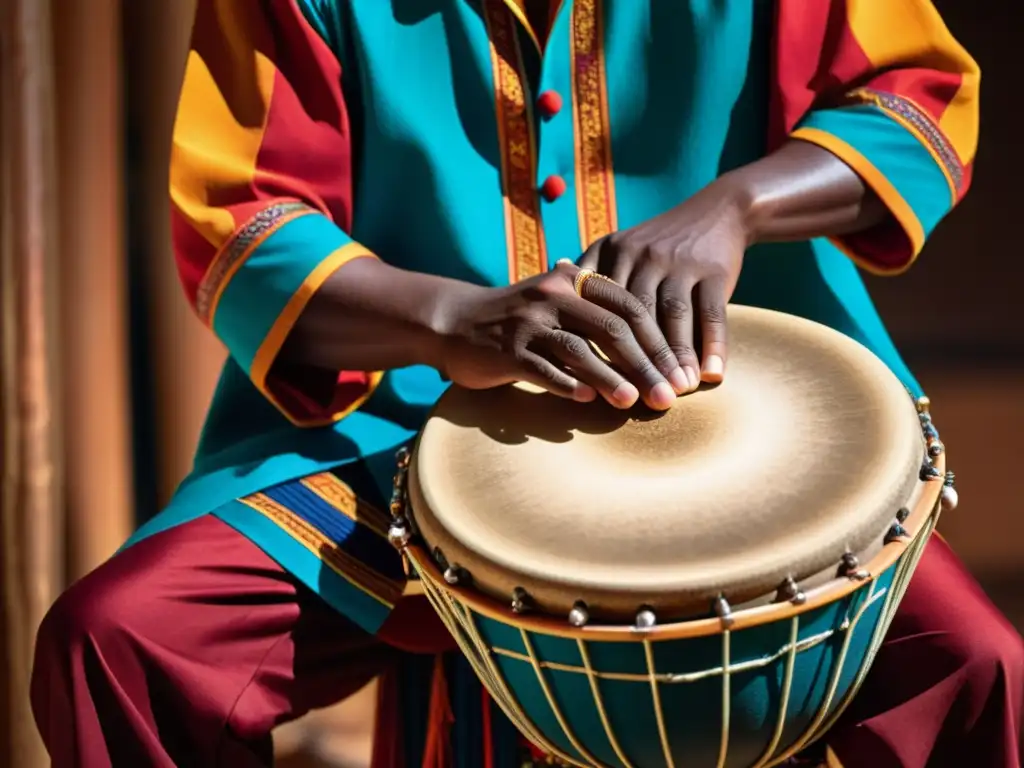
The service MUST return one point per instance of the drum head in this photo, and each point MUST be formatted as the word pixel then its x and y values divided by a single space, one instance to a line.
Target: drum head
pixel 804 453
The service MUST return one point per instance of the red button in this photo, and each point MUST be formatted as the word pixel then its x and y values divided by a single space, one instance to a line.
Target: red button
pixel 549 103
pixel 553 188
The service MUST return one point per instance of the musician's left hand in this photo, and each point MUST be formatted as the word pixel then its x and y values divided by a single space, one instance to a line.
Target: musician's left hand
pixel 684 265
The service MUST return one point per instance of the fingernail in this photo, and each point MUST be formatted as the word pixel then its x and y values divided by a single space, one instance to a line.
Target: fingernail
pixel 584 393
pixel 679 380
pixel 662 395
pixel 625 394
pixel 714 367
pixel 692 379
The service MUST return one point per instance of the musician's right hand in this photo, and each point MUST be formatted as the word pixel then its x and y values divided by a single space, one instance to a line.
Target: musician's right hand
pixel 537 331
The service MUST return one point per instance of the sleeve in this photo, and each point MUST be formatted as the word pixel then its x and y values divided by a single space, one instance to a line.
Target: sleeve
pixel 261 191
pixel 884 86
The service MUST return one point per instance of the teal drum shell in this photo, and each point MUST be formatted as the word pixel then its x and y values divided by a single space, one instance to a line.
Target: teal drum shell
pixel 744 697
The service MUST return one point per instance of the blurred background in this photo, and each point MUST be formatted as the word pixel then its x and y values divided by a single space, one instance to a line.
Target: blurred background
pixel 105 374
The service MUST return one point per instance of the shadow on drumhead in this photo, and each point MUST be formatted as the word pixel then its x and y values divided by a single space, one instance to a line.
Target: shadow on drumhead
pixel 515 414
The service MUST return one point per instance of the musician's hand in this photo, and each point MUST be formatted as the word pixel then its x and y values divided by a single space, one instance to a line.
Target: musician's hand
pixel 683 266
pixel 537 330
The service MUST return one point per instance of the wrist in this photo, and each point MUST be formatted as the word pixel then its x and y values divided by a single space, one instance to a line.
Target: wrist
pixel 372 316
pixel 798 192
pixel 744 204
pixel 439 317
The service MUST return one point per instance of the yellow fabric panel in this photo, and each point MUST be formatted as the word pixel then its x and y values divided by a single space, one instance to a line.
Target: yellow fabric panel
pixel 216 141
pixel 912 33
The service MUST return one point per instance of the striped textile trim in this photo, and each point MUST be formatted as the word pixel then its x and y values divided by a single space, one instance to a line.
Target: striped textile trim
pixel 323 514
pixel 921 124
pixel 238 248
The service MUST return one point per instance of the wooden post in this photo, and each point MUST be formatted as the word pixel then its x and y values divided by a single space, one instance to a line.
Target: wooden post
pixel 31 485
pixel 92 281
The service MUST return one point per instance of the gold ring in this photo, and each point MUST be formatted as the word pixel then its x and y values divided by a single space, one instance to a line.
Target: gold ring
pixel 586 274
pixel 580 279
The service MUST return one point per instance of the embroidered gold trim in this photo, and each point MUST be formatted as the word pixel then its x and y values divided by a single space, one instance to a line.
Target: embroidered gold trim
pixel 595 183
pixel 921 124
pixel 236 250
pixel 518 9
pixel 527 251
pixel 340 495
pixel 538 36
pixel 357 573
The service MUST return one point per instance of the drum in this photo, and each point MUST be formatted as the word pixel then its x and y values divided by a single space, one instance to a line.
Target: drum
pixel 701 587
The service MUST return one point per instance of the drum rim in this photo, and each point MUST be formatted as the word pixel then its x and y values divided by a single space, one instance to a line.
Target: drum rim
pixel 670 598
pixel 925 511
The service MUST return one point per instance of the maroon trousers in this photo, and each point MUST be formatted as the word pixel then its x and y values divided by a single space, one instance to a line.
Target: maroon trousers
pixel 189 647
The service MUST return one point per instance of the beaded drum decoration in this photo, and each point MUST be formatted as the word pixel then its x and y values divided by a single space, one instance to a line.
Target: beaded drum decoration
pixel 704 587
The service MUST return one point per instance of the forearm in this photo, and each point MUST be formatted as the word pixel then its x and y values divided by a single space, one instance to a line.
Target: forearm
pixel 802 191
pixel 371 316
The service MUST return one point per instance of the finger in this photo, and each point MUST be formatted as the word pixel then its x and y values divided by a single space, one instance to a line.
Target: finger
pixel 576 354
pixel 617 341
pixel 618 259
pixel 607 257
pixel 591 258
pixel 643 283
pixel 710 304
pixel 675 314
pixel 644 327
pixel 621 262
pixel 535 369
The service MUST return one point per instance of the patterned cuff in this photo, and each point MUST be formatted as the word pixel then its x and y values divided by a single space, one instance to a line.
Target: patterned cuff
pixel 256 289
pixel 899 152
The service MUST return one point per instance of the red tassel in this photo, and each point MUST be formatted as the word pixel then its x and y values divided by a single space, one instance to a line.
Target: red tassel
pixel 485 700
pixel 537 755
pixel 437 753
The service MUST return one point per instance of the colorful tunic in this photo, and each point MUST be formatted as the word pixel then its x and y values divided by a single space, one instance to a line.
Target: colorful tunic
pixel 313 132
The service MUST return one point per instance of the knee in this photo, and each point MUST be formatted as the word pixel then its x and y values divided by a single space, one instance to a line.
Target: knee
pixel 991 650
pixel 83 626
pixel 94 610
pixel 1004 649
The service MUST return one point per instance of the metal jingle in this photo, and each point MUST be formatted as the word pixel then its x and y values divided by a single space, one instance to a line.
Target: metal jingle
pixel 397 506
pixel 454 574
pixel 789 591
pixel 440 559
pixel 521 600
pixel 399 534
pixel 902 514
pixel 849 564
pixel 398 497
pixel 895 533
pixel 929 472
pixel 935 448
pixel 923 404
pixel 645 618
pixel 579 616
pixel 724 611
pixel 950 478
pixel 402 457
pixel 949 498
